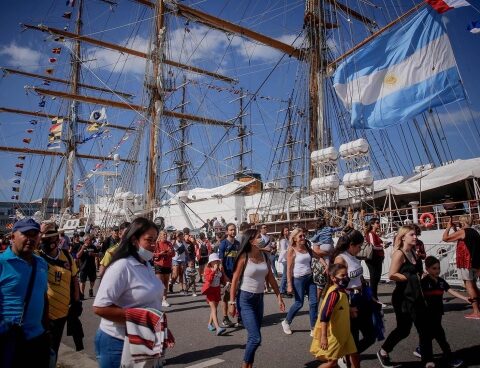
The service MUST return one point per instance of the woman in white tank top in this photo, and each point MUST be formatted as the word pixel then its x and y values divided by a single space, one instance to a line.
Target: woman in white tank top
pixel 300 279
pixel 361 304
pixel 252 269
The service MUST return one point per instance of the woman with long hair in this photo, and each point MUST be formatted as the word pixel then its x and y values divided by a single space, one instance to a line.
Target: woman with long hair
pixel 162 257
pixel 300 279
pixel 179 261
pixel 282 258
pixel 129 282
pixel 407 298
pixel 467 257
pixel 345 253
pixel 251 270
pixel 376 262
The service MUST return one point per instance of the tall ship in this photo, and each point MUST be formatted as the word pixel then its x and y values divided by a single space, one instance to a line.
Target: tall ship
pixel 265 112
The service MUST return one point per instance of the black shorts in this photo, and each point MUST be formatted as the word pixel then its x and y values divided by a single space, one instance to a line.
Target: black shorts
pixel 88 274
pixel 163 270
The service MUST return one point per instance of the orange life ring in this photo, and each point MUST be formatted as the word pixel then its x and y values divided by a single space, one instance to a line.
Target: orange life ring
pixel 427 219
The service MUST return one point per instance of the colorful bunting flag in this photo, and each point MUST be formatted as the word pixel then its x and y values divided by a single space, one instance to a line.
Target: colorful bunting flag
pixel 57 50
pixel 67 15
pixel 53 145
pixel 41 104
pixel 49 71
pixel 46 83
pixel 17 181
pixel 18 173
pixel 474 27
pixel 93 127
pixel 59 39
pixel 98 115
pixel 34 122
pixel 29 130
pixel 22 157
pixel 14 197
pixel 27 140
pixel 15 189
pixel 442 6
pixel 52 60
pixel 19 165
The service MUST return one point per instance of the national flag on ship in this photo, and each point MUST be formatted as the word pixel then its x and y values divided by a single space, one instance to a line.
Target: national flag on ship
pixel 56 50
pixel 98 115
pixel 53 145
pixel 400 74
pixel 474 27
pixel 15 189
pixel 18 173
pixel 442 6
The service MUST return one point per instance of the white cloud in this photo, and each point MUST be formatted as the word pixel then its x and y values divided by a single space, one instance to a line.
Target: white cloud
pixel 21 57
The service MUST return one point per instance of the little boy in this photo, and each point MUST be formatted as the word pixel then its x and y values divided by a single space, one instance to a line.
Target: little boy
pixel 190 275
pixel 433 287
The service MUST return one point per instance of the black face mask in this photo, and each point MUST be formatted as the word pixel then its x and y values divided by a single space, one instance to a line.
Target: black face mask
pixel 342 283
pixel 48 245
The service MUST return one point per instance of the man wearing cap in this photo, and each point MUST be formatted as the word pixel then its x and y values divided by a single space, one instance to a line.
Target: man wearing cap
pixel 24 341
pixel 62 281
pixel 88 269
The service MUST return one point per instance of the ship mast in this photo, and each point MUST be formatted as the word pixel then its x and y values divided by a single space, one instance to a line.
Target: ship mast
pixel 182 163
pixel 156 106
pixel 71 144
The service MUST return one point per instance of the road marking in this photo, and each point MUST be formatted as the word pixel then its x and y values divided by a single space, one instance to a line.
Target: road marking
pixel 207 363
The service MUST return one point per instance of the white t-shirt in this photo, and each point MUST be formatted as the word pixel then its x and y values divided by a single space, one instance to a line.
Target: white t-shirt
pixel 127 283
pixel 282 257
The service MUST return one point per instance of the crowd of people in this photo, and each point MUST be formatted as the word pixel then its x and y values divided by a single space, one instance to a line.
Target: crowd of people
pixel 44 274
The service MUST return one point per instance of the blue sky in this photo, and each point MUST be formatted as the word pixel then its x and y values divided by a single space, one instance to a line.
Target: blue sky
pixel 129 24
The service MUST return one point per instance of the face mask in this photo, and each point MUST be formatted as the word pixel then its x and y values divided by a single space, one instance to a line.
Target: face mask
pixel 342 283
pixel 145 254
pixel 261 244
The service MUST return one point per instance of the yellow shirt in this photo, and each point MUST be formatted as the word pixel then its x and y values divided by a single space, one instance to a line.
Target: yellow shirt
pixel 59 282
pixel 107 258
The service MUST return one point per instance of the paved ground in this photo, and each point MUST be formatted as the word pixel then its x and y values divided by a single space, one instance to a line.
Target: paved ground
pixel 196 347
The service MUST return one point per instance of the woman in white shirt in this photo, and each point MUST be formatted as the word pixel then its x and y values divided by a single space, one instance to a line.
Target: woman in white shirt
pixel 282 258
pixel 128 282
pixel 251 270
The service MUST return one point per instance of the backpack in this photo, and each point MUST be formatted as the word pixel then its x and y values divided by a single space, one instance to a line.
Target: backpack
pixel 203 250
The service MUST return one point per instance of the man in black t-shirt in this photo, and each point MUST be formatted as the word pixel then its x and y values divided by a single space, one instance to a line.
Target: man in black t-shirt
pixel 88 270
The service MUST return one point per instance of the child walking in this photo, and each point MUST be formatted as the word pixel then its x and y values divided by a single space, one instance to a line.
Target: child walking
pixel 433 288
pixel 191 274
pixel 213 277
pixel 332 338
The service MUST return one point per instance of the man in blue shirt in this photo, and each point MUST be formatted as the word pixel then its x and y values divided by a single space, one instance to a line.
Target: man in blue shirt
pixel 32 347
pixel 227 251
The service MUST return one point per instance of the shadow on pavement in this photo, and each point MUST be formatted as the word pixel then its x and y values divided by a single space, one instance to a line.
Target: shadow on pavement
pixel 276 318
pixel 195 356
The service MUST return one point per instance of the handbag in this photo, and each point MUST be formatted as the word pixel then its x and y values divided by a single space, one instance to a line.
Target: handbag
pixel 366 251
pixel 12 340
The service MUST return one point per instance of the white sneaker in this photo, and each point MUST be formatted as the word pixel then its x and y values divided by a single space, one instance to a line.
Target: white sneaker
pixel 286 327
pixel 311 333
pixel 342 363
pixel 165 304
pixel 194 294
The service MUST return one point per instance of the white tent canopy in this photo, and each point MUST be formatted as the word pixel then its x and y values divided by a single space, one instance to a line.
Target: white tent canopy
pixel 438 177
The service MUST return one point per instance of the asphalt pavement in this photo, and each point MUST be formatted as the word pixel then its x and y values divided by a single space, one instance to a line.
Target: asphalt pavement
pixel 196 347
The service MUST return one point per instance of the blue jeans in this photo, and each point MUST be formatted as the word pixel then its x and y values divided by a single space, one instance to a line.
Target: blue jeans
pixel 273 258
pixel 108 350
pixel 283 281
pixel 251 311
pixel 301 286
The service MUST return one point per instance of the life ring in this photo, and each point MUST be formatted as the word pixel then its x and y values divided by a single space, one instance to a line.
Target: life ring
pixel 427 219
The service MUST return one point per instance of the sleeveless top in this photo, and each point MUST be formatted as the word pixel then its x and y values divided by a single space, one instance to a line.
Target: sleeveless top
pixel 302 264
pixel 354 269
pixel 254 277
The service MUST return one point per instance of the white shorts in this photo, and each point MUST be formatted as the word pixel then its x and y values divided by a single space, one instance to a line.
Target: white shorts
pixel 467 274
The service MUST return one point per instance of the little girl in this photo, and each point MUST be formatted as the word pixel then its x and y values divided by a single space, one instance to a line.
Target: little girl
pixel 332 338
pixel 213 277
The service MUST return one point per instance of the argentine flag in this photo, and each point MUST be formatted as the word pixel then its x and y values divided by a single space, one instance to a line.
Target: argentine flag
pixel 400 74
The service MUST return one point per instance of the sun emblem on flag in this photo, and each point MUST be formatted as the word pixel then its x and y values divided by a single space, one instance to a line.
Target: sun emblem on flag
pixel 390 79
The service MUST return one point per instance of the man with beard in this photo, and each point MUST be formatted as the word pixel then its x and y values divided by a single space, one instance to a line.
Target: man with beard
pixel 62 281
pixel 88 269
pixel 24 304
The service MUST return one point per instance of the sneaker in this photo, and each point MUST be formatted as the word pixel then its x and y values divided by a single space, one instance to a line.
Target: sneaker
pixel 454 363
pixel 165 303
pixel 90 293
pixel 227 323
pixel 430 365
pixel 220 331
pixel 417 352
pixel 385 361
pixel 286 327
pixel 211 327
pixel 194 294
pixel 311 333
pixel 472 316
pixel 342 363
pixel 238 324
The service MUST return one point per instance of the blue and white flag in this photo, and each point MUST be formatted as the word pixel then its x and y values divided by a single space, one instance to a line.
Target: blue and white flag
pixel 474 27
pixel 400 74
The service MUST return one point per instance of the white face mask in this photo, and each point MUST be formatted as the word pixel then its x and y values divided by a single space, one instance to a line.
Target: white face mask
pixel 145 254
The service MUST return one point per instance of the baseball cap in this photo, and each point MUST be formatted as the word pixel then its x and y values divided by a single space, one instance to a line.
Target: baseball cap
pixel 25 225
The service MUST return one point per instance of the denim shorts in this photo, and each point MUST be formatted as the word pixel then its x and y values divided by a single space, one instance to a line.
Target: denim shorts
pixel 178 263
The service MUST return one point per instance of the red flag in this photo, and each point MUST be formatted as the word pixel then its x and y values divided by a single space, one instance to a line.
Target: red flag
pixel 20 166
pixel 441 6
pixel 29 130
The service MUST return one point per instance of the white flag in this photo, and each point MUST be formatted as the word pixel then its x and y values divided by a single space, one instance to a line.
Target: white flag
pixel 98 115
